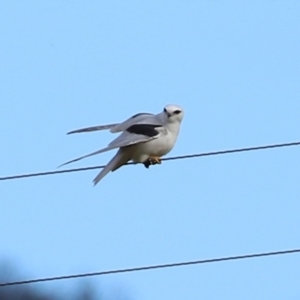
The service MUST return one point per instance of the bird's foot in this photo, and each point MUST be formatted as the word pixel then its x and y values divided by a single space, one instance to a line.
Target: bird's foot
pixel 152 160
pixel 155 160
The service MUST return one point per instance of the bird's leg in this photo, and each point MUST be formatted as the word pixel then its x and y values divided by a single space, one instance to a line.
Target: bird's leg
pixel 152 160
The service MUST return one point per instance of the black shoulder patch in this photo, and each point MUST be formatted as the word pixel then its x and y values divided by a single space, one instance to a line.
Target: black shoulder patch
pixel 144 129
pixel 140 115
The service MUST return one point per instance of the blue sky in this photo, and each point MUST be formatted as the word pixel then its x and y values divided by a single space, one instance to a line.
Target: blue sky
pixel 233 65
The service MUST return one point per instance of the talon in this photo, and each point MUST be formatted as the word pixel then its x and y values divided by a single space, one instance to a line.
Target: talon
pixel 155 160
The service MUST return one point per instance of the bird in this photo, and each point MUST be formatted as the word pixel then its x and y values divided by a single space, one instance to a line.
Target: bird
pixel 144 138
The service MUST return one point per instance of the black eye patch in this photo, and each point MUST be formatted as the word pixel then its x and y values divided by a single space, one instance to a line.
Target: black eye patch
pixel 165 110
pixel 177 112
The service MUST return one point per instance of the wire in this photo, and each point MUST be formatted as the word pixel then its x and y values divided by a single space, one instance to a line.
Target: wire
pixel 172 265
pixel 164 159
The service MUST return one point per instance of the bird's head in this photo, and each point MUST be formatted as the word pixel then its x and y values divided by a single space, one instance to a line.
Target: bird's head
pixel 173 113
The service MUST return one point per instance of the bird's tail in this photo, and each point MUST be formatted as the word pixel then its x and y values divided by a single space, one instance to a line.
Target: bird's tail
pixel 120 159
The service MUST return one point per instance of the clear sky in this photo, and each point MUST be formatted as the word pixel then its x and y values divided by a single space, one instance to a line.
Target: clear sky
pixel 235 68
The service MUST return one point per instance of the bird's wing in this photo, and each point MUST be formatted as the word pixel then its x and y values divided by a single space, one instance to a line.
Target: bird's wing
pixel 135 134
pixel 116 127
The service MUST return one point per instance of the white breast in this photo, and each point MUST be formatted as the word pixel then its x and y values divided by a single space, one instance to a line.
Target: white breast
pixel 157 147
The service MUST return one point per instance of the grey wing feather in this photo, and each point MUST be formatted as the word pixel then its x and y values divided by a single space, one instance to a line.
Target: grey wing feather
pixel 125 139
pixel 88 155
pixel 93 128
pixel 116 127
pixel 131 121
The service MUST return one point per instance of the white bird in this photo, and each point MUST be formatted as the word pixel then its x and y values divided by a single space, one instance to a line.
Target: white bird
pixel 145 138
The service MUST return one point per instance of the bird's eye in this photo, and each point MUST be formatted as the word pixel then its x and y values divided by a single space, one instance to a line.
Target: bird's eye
pixel 165 111
pixel 177 112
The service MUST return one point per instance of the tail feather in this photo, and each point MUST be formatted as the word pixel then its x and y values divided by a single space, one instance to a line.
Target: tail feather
pixel 120 159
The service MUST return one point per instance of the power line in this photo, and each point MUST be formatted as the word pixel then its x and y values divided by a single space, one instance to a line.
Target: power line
pixel 164 159
pixel 152 267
